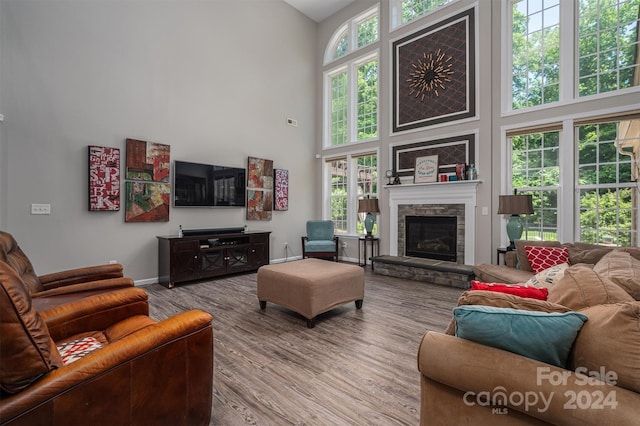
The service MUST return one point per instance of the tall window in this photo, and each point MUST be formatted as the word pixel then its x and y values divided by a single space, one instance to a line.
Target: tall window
pixel 608 193
pixel 608 45
pixel 536 52
pixel 339 106
pixel 351 88
pixel 351 113
pixel 352 177
pixel 405 11
pixel 549 63
pixel 339 191
pixel 605 153
pixel 535 170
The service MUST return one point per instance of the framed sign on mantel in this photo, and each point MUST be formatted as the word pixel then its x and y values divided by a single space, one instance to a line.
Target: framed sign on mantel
pixel 426 169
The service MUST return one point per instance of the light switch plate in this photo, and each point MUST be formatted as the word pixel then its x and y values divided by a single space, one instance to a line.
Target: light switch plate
pixel 40 208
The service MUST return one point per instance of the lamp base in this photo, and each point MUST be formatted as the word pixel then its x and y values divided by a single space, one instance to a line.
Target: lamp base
pixel 514 230
pixel 369 220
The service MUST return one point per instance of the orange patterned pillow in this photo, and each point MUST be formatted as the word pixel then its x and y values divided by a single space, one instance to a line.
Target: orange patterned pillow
pixel 542 258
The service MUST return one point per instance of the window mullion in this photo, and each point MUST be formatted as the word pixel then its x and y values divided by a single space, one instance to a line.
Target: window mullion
pixel 568 52
pixel 568 213
pixel 352 204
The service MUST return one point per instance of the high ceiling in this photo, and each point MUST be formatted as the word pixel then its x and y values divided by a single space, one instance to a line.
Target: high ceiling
pixel 318 10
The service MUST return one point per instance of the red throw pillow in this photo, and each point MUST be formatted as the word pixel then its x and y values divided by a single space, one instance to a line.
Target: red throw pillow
pixel 542 258
pixel 539 293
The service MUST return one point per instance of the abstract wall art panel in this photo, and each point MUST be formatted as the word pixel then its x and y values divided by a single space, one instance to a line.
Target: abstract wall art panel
pixel 104 178
pixel 434 76
pixel 282 189
pixel 147 202
pixel 259 189
pixel 148 161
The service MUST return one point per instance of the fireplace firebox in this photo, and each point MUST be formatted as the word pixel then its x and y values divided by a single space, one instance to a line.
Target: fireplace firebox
pixel 431 237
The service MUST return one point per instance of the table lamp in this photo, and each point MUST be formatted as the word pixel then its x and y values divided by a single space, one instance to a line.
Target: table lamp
pixel 368 206
pixel 515 205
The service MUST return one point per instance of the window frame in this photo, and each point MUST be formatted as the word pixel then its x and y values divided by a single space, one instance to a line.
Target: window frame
pixel 569 70
pixel 352 186
pixel 351 28
pixel 568 207
pixel 351 68
pixel 395 14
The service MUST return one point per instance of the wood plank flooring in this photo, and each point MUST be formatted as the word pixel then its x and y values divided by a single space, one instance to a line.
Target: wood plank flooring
pixel 356 367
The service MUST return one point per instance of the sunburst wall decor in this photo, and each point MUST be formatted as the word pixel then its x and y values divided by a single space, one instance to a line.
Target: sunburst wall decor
pixel 430 74
pixel 434 77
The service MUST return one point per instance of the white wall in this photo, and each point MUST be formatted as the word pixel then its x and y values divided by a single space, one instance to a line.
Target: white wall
pixel 214 79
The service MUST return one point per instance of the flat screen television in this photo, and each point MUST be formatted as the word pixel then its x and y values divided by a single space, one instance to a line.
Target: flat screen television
pixel 206 185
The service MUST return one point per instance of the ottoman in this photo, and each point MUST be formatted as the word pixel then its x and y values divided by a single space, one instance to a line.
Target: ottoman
pixel 310 286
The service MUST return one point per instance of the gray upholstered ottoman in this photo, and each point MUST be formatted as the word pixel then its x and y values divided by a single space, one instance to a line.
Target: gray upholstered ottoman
pixel 310 286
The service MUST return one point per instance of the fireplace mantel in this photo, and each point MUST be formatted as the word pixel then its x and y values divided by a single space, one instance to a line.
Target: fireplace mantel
pixel 457 192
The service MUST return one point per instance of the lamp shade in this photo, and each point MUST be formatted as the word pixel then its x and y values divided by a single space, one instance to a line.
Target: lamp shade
pixel 368 205
pixel 515 204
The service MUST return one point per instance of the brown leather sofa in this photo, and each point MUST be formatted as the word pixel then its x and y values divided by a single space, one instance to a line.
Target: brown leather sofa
pixel 61 287
pixel 145 372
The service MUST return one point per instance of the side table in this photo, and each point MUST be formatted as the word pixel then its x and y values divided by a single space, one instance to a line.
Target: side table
pixel 501 251
pixel 362 242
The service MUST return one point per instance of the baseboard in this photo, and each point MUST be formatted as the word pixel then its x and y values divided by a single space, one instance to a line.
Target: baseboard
pixel 146 281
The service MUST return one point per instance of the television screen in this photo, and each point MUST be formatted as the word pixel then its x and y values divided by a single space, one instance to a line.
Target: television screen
pixel 206 185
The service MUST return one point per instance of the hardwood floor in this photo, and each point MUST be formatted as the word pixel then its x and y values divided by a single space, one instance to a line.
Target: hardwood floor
pixel 356 367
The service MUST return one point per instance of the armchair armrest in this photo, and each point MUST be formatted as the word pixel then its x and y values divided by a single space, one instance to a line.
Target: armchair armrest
pixel 81 275
pixel 90 286
pixel 463 365
pixel 95 313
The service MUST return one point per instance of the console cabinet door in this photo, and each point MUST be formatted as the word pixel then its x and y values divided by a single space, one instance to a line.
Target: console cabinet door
pixel 260 251
pixel 238 259
pixel 184 260
pixel 213 262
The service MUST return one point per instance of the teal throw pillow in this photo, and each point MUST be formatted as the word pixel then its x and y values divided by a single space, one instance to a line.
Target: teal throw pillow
pixel 543 336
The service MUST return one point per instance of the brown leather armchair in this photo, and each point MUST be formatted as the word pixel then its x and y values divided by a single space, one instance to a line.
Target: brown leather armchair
pixel 145 372
pixel 61 287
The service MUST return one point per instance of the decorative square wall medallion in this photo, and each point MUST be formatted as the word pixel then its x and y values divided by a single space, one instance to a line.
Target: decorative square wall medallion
pixel 104 178
pixel 434 74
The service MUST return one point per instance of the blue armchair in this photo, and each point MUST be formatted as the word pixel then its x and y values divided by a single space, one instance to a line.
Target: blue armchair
pixel 320 240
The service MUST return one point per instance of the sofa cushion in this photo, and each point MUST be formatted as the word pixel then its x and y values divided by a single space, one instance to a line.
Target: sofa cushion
pixel 523 262
pixel 588 253
pixel 548 277
pixel 581 287
pixel 503 300
pixel 515 289
pixel 27 350
pixel 541 258
pixel 609 341
pixel 500 274
pixel 623 269
pixel 546 337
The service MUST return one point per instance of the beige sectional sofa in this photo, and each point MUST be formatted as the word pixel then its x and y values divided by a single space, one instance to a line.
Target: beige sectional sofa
pixel 518 270
pixel 465 382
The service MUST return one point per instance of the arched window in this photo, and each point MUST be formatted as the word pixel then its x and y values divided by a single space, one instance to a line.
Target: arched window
pixel 358 32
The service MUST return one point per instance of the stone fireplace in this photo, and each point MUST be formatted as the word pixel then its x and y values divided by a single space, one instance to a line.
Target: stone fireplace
pixel 441 199
pixel 432 233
